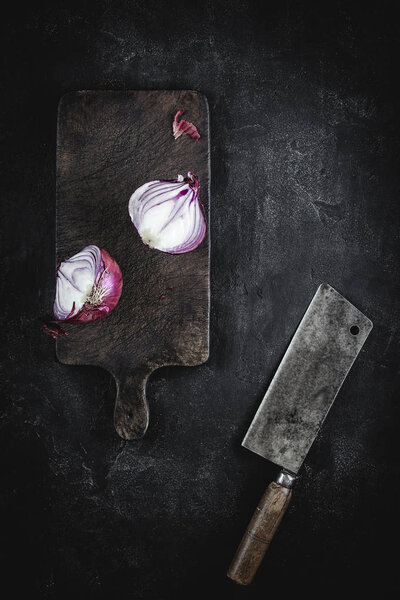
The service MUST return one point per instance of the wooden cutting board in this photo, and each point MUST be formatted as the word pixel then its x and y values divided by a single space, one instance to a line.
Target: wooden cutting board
pixel 109 143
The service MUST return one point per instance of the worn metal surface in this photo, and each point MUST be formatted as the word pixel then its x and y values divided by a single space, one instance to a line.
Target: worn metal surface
pixel 321 353
pixel 285 479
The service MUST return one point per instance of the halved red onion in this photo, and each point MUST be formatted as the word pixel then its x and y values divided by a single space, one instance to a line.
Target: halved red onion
pixel 88 287
pixel 169 215
pixel 184 127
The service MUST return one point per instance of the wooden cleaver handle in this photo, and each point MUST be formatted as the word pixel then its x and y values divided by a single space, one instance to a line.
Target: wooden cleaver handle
pixel 259 533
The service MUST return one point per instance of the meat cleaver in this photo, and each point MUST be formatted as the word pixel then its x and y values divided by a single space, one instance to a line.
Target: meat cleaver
pixel 321 353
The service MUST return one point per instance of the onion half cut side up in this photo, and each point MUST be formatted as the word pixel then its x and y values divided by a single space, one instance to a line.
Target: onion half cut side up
pixel 88 287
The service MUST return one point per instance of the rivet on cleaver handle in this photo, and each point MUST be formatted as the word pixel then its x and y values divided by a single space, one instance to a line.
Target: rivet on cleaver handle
pixel 321 353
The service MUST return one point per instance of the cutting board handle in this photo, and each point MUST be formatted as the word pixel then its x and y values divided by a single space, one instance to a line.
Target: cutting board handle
pixel 259 533
pixel 131 415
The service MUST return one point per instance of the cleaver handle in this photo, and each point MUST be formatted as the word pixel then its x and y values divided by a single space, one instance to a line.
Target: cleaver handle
pixel 261 530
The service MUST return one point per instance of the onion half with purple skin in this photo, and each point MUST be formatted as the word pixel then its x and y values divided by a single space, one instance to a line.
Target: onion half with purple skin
pixel 168 215
pixel 88 287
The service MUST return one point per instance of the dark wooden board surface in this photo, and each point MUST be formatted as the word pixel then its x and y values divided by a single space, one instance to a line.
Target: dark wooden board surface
pixel 109 143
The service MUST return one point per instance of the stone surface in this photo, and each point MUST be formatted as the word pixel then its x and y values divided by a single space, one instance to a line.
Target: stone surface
pixel 305 187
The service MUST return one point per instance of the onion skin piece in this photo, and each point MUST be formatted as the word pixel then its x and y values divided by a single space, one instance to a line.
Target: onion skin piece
pixel 52 328
pixel 184 127
pixel 168 214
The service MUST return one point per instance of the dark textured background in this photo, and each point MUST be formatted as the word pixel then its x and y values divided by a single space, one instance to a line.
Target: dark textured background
pixel 305 188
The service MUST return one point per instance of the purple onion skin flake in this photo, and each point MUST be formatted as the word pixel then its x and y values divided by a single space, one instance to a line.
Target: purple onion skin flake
pixel 184 127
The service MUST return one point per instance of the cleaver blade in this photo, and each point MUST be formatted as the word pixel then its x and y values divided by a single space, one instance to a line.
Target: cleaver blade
pixel 321 353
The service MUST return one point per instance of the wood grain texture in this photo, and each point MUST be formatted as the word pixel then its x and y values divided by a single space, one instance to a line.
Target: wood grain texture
pixel 109 143
pixel 259 533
